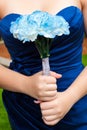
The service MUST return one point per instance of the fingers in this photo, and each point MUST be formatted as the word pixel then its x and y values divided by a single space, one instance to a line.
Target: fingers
pixel 53 74
pixel 49 96
pixel 45 87
pixel 48 92
pixel 50 122
pixel 56 75
pixel 49 112
pixel 50 87
pixel 51 79
pixel 50 118
pixel 47 106
pixel 48 79
pixel 46 99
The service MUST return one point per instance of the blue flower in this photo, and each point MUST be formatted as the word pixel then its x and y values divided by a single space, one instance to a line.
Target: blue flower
pixel 28 27
pixel 40 27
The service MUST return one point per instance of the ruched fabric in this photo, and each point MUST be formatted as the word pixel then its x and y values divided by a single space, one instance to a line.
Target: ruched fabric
pixel 65 58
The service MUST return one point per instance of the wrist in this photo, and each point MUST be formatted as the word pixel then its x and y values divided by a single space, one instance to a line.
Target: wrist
pixel 26 85
pixel 66 99
pixel 70 98
pixel 78 88
pixel 75 93
pixel 23 85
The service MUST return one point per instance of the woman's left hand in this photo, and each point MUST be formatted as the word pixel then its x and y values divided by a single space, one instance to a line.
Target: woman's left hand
pixel 53 111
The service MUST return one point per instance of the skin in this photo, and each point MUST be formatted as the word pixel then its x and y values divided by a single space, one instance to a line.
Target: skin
pixel 56 104
pixel 41 87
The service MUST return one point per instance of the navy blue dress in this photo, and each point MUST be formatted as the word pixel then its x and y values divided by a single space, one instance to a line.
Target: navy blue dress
pixel 65 58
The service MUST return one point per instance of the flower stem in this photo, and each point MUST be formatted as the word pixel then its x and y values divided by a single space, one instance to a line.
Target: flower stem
pixel 46 66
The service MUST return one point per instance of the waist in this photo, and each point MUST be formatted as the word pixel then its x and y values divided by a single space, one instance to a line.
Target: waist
pixel 59 67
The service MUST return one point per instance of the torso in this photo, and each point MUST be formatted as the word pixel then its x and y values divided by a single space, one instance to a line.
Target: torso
pixel 25 57
pixel 28 6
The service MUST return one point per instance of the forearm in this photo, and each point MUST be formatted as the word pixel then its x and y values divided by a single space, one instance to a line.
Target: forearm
pixel 11 80
pixel 78 88
pixel 37 86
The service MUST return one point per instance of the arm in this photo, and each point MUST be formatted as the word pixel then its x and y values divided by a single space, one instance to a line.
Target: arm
pixel 79 87
pixel 2 7
pixel 84 2
pixel 55 110
pixel 38 86
pixel 11 80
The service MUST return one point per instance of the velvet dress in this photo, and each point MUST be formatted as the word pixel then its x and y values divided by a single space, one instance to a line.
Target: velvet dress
pixel 65 58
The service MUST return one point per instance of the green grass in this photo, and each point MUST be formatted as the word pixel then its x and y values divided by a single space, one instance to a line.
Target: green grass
pixel 4 123
pixel 84 59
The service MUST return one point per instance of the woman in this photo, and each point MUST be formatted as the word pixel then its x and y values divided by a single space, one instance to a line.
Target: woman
pixel 23 84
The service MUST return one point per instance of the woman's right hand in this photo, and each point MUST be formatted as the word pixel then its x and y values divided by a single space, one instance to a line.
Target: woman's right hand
pixel 42 87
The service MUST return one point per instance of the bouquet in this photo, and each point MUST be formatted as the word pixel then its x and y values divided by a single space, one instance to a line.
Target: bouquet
pixel 40 28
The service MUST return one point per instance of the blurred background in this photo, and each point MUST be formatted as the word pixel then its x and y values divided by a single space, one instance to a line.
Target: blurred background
pixel 5 60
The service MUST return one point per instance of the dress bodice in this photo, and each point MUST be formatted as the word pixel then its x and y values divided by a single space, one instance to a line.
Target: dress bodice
pixel 65 51
pixel 65 58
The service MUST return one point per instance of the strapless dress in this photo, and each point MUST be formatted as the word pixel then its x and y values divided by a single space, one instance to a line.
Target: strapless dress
pixel 65 58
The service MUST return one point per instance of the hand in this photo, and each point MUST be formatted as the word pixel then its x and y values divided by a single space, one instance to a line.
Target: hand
pixel 53 111
pixel 43 87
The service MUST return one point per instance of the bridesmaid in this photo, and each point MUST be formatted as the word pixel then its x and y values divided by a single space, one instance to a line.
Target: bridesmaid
pixel 62 95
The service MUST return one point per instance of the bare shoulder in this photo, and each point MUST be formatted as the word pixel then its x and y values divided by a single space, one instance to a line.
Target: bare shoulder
pixel 3 7
pixel 2 4
pixel 84 3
